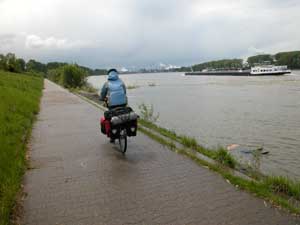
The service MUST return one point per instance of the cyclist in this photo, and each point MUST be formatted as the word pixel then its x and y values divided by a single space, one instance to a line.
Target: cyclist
pixel 114 90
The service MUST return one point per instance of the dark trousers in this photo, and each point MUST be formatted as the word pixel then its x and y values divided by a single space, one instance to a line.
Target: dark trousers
pixel 116 106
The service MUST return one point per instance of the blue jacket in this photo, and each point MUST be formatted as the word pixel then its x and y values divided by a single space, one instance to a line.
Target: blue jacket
pixel 114 89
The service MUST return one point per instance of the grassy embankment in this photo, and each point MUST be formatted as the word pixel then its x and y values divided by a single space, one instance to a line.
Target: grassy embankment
pixel 220 154
pixel 19 103
pixel 280 191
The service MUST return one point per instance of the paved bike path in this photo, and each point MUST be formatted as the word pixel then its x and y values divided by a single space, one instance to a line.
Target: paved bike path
pixel 79 178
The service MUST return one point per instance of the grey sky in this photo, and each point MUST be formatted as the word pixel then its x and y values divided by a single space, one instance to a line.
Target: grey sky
pixel 100 33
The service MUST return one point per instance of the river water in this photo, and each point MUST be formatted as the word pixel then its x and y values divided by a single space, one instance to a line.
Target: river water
pixel 223 110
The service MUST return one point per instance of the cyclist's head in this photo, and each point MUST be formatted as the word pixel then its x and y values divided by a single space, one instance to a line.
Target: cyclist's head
pixel 113 74
pixel 112 70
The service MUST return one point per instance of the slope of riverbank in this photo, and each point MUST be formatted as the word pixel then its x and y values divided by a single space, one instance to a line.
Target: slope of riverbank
pixel 20 95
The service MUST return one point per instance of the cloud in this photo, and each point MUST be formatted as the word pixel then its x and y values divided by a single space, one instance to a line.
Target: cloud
pixel 36 42
pixel 140 32
pixel 6 40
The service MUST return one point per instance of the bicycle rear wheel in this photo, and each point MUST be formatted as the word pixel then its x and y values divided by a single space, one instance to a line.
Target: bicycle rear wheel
pixel 123 141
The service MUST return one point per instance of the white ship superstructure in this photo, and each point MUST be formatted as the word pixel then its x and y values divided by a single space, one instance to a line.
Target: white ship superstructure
pixel 269 70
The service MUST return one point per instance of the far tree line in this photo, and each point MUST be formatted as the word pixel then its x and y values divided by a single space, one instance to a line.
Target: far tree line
pixel 10 62
pixel 291 59
pixel 65 74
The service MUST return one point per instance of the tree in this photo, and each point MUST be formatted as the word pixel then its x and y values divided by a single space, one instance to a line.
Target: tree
pixel 20 65
pixel 291 59
pixel 260 59
pixel 224 64
pixel 183 69
pixel 87 70
pixel 99 72
pixel 2 62
pixel 11 64
pixel 35 66
pixel 55 65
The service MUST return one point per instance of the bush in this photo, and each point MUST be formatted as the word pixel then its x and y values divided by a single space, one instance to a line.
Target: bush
pixel 72 76
pixel 54 75
pixel 69 76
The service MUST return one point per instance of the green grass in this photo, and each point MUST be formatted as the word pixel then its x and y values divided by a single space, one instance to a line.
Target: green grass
pixel 189 142
pixel 283 185
pixel 19 103
pixel 221 155
pixel 267 189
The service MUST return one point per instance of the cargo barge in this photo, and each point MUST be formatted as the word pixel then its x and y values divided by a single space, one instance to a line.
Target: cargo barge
pixel 268 70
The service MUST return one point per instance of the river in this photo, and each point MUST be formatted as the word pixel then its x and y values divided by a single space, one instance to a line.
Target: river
pixel 223 110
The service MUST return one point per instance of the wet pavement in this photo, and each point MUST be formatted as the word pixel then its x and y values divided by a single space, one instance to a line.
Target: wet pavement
pixel 79 178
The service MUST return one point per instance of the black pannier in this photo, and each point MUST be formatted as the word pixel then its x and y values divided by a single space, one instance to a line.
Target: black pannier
pixel 122 117
pixel 116 112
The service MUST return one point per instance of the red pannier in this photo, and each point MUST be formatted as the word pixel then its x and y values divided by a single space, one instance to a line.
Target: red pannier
pixel 105 126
